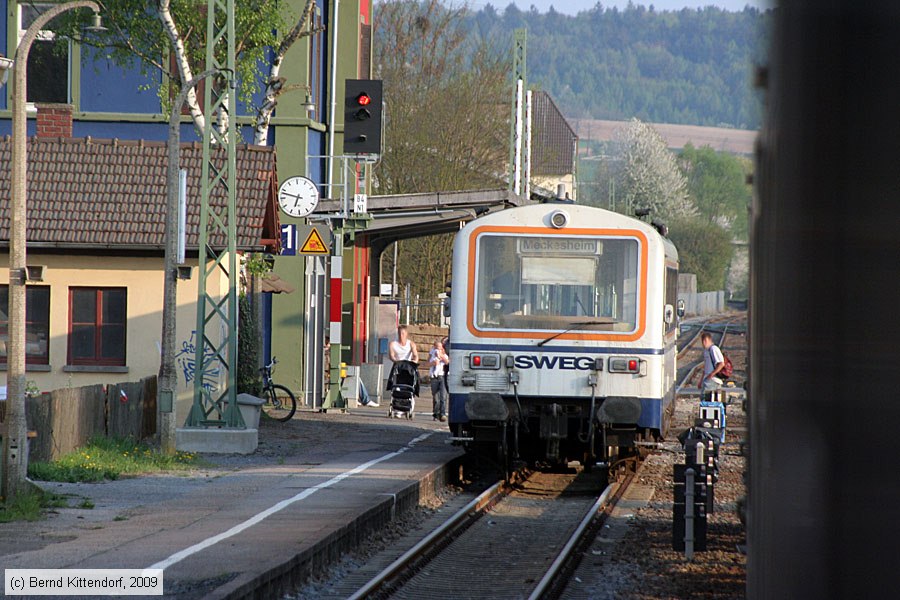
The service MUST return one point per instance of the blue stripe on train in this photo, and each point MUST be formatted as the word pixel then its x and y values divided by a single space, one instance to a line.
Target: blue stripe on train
pixel 651 411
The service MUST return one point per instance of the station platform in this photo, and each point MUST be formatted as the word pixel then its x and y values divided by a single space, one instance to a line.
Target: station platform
pixel 248 525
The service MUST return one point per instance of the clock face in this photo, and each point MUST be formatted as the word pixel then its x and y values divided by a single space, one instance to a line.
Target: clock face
pixel 298 196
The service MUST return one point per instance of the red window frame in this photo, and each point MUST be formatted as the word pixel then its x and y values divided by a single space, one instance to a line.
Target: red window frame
pixel 98 324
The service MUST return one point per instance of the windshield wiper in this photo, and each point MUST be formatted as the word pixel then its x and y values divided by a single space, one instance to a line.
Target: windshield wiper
pixel 572 327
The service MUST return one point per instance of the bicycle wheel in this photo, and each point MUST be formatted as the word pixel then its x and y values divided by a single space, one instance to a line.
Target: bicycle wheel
pixel 280 403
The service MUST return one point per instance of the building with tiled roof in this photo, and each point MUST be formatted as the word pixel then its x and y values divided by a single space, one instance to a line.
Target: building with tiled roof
pixel 96 223
pixel 554 146
pixel 112 99
pixel 85 193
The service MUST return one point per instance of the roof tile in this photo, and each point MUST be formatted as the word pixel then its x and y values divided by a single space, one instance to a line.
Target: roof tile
pixel 91 192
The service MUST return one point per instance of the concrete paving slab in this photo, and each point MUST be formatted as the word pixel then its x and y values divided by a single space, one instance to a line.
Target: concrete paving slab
pixel 248 525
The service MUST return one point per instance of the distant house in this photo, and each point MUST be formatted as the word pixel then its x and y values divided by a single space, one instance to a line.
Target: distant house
pixel 96 216
pixel 554 146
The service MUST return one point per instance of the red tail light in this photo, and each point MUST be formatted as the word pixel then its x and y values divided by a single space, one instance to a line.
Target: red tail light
pixel 485 360
pixel 622 364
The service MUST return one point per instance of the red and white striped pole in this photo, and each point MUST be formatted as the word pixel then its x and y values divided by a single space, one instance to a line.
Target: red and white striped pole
pixel 336 288
pixel 337 285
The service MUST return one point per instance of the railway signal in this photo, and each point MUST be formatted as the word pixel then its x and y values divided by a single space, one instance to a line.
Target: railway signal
pixel 362 116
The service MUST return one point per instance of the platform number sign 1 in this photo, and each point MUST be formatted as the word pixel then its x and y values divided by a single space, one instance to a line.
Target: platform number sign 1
pixel 288 240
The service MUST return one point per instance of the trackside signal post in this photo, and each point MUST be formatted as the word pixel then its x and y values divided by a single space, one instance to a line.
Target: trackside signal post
pixel 363 110
pixel 363 117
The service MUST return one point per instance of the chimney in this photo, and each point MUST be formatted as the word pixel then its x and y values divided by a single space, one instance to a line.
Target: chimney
pixel 54 120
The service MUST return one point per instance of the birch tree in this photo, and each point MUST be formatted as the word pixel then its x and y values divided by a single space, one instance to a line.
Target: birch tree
pixel 169 37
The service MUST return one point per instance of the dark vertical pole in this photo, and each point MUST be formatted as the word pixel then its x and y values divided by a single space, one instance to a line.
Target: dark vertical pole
pixel 824 498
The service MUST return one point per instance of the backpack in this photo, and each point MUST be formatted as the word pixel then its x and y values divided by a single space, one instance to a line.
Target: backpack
pixel 727 368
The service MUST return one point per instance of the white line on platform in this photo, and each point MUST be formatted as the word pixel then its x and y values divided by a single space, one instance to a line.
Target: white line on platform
pixel 181 555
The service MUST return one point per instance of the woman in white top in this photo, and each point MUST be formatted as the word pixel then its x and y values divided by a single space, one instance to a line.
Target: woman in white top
pixel 403 348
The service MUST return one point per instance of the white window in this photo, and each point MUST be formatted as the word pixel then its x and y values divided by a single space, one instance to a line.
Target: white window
pixel 557 282
pixel 48 61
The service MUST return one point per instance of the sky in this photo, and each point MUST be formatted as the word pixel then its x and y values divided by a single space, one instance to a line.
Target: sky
pixel 571 7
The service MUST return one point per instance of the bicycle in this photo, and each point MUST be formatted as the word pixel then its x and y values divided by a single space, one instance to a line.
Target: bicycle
pixel 279 402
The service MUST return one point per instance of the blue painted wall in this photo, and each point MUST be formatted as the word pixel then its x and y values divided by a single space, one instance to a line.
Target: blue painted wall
pixel 267 326
pixel 106 87
pixel 316 141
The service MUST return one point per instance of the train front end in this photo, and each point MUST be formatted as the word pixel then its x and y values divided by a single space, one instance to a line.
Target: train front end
pixel 562 333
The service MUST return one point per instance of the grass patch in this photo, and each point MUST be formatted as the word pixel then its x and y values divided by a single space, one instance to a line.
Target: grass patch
pixel 109 458
pixel 30 506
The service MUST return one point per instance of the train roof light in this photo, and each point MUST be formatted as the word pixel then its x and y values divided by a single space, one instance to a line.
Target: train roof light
pixel 559 219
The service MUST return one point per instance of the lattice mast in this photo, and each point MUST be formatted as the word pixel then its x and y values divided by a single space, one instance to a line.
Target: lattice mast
pixel 217 318
pixel 516 127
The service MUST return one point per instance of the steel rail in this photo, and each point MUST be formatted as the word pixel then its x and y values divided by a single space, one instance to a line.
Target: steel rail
pixel 693 370
pixel 476 506
pixel 691 342
pixel 565 554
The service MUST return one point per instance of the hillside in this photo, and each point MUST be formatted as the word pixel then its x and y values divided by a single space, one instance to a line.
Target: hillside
pixel 689 67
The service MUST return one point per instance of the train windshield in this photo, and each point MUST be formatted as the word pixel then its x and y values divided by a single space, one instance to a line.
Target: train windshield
pixel 553 283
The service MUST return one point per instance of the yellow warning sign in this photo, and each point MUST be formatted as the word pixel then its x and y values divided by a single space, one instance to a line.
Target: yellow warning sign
pixel 314 244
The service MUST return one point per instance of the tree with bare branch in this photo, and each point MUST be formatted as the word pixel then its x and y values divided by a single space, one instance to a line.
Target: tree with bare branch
pixel 447 98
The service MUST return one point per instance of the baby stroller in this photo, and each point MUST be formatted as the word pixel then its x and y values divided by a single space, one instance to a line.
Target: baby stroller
pixel 403 384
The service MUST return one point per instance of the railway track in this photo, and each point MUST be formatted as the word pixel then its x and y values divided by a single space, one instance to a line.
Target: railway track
pixel 519 541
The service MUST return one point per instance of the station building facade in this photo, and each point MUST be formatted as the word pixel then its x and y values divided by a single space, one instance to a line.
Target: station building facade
pixel 109 102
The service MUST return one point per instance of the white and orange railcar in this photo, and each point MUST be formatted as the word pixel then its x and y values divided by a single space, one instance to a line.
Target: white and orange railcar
pixel 563 330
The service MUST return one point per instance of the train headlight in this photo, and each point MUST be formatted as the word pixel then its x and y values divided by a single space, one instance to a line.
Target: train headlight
pixel 559 219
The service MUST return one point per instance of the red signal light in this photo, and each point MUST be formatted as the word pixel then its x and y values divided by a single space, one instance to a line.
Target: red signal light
pixel 632 365
pixel 363 99
pixel 476 361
